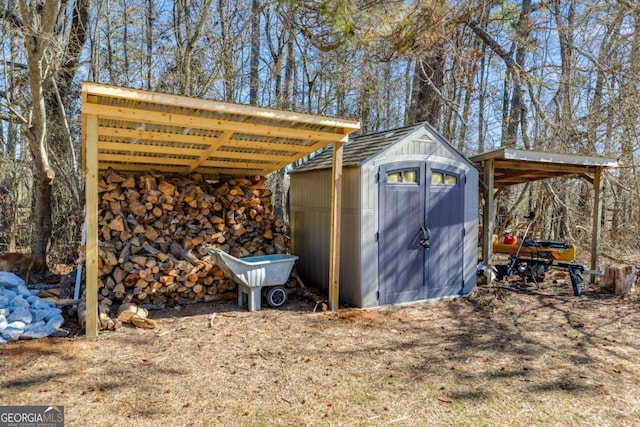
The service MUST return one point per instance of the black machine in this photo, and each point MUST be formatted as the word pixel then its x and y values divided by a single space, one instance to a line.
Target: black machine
pixel 534 270
pixel 531 259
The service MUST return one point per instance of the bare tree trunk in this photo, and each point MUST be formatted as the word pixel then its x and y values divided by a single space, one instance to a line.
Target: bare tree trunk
pixel 364 105
pixel 187 36
pixel 226 58
pixel 255 53
pixel 149 42
pixel 484 79
pixel 428 81
pixel 629 117
pixel 518 107
pixel 288 95
pixel 9 190
pixel 110 62
pixel 125 41
pixel 277 52
pixel 407 92
pixel 42 23
pixel 52 65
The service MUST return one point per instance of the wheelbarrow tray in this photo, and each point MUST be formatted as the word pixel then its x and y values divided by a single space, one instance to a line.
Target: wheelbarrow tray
pixel 255 271
pixel 252 273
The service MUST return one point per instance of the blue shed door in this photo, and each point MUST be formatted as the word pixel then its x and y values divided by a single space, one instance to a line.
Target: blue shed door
pixel 445 221
pixel 401 257
pixel 420 232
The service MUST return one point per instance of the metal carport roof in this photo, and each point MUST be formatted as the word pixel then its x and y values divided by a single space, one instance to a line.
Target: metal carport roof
pixel 507 166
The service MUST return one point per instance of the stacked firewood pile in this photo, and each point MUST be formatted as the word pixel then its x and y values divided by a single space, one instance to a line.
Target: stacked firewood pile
pixel 155 230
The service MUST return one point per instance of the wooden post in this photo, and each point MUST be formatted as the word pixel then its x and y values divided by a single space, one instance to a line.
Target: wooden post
pixel 91 211
pixel 597 221
pixel 487 216
pixel 336 207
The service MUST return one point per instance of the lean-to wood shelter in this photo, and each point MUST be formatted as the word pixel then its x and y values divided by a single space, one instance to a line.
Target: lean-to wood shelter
pixel 138 131
pixel 504 167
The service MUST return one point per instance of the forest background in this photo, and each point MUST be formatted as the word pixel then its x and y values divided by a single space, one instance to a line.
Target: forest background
pixel 547 75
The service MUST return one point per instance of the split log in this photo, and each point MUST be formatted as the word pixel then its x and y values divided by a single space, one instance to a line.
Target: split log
pixel 155 231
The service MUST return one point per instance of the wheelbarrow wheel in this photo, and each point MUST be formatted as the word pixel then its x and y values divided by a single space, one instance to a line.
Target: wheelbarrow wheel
pixel 276 296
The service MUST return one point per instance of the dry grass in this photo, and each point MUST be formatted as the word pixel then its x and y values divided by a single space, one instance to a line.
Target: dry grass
pixel 499 358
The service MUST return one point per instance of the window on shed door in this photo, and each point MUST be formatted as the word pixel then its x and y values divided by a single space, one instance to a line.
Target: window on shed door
pixel 409 176
pixel 442 178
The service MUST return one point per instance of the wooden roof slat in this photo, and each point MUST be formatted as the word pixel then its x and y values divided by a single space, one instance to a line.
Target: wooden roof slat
pixel 260 156
pixel 106 91
pixel 142 159
pixel 195 122
pixel 165 137
pixel 146 148
pixel 270 146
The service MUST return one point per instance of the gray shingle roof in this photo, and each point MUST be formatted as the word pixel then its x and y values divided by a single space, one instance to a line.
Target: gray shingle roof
pixel 359 148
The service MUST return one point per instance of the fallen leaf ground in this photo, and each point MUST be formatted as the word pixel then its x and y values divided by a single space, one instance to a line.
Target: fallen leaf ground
pixel 503 357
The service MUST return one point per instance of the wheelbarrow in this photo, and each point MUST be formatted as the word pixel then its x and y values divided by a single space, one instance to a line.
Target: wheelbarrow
pixel 254 273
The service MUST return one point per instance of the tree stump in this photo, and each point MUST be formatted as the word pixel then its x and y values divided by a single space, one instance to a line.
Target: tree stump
pixel 620 278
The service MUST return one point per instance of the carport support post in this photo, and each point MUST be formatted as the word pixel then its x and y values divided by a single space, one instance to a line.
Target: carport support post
pixel 336 207
pixel 91 210
pixel 487 216
pixel 597 221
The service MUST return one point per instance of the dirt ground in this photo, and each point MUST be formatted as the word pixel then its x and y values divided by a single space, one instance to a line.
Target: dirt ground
pixel 502 357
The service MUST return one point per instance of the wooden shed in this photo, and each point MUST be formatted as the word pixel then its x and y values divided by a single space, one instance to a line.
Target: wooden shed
pixel 409 218
pixel 141 131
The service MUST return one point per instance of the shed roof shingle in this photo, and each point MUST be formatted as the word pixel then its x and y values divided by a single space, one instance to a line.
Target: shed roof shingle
pixel 360 148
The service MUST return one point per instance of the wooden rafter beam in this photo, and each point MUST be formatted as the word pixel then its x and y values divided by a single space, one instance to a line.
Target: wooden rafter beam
pixel 226 135
pixel 508 174
pixel 531 178
pixel 587 178
pixel 180 169
pixel 239 165
pixel 258 156
pixel 548 167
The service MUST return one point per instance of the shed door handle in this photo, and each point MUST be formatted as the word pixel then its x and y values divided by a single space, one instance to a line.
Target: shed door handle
pixel 424 241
